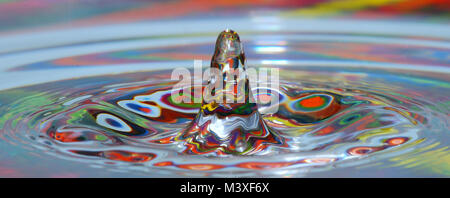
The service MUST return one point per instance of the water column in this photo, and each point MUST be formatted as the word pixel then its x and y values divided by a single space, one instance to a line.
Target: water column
pixel 228 121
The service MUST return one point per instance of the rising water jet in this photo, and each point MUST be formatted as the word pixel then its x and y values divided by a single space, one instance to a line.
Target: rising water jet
pixel 225 126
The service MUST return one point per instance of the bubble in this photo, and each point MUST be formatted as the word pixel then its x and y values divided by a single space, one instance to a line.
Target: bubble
pixel 140 108
pixel 112 122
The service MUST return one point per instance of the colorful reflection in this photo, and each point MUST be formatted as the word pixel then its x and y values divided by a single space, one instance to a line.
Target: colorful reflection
pixel 16 14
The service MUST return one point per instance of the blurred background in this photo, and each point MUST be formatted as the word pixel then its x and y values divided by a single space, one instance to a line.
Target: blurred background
pixel 95 34
pixel 83 49
pixel 17 15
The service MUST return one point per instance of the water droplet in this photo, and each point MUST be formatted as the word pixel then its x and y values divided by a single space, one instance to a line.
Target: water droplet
pixel 228 121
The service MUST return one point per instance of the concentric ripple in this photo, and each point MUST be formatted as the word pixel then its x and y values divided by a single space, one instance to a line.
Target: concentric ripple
pixel 326 124
pixel 350 105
